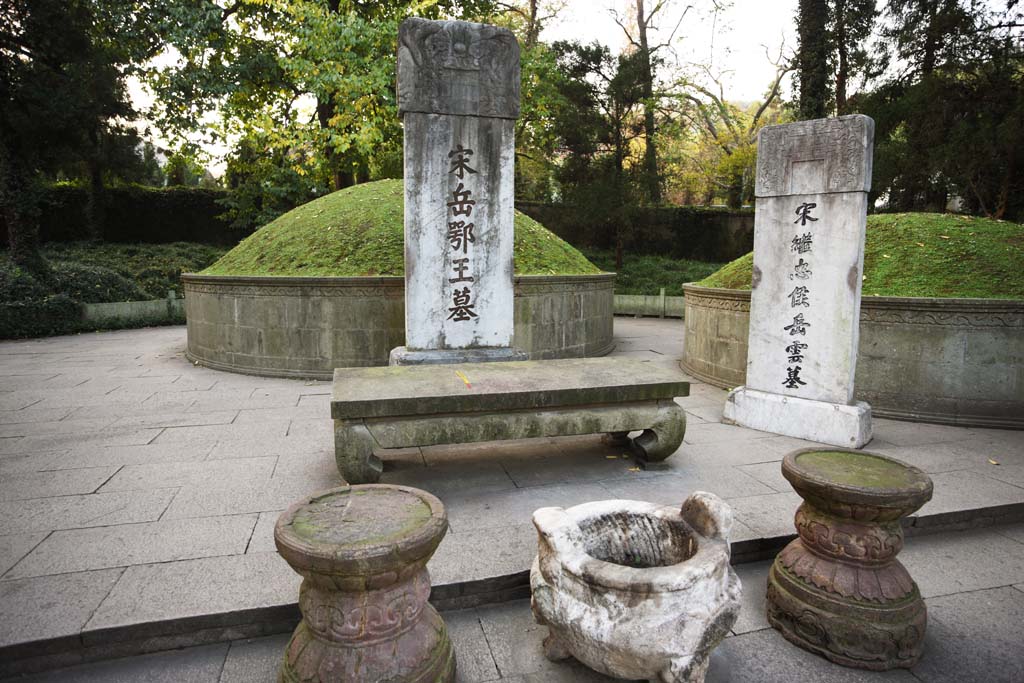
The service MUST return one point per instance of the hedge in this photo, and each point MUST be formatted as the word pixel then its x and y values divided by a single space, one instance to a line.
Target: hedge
pixel 136 214
pixel 680 232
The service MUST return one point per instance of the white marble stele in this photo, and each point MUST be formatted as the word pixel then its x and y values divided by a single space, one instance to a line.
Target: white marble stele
pixel 812 188
pixel 458 95
pixel 636 590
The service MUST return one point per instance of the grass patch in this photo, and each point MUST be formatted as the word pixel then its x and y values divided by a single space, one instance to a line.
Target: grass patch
pixel 359 231
pixel 926 255
pixel 647 274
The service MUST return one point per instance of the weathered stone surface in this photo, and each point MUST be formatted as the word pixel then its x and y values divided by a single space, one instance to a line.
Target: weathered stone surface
pixel 362 552
pixel 401 406
pixel 458 93
pixel 635 590
pixel 838 590
pixel 407 391
pixel 806 290
pixel 251 324
pixel 457 67
pixel 950 361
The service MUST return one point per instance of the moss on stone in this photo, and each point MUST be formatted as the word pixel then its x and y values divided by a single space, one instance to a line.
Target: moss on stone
pixel 857 469
pixel 926 255
pixel 359 231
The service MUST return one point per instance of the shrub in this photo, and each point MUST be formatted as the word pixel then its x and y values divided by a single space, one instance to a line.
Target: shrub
pixel 56 314
pixel 94 284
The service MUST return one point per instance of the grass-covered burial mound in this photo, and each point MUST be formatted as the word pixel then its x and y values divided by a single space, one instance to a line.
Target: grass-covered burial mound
pixel 926 255
pixel 359 231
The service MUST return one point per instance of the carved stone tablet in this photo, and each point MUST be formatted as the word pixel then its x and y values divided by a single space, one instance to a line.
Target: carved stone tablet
pixel 458 91
pixel 457 67
pixel 812 196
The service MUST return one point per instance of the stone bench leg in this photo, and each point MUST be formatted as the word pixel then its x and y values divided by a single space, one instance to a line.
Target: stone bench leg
pixel 353 451
pixel 665 435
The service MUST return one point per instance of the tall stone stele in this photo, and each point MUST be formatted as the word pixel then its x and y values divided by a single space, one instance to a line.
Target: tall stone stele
pixel 812 188
pixel 458 95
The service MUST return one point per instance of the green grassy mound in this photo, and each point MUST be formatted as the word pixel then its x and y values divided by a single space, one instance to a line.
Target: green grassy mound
pixel 358 231
pixel 926 255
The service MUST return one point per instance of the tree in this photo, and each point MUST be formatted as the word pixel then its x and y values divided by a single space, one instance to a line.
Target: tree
pixel 647 61
pixel 851 26
pixel 733 129
pixel 948 108
pixel 312 81
pixel 813 56
pixel 62 97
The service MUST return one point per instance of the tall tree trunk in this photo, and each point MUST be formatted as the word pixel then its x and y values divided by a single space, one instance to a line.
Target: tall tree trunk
pixel 650 149
pixel 812 29
pixel 19 198
pixel 734 195
pixel 842 56
pixel 95 206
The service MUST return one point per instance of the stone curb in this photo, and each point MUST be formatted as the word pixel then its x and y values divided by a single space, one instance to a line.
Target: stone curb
pixel 155 636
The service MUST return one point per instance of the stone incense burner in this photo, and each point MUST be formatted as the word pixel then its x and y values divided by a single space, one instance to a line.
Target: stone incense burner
pixel 636 590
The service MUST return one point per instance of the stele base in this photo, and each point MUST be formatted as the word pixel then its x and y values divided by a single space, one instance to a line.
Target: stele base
pixel 830 423
pixel 402 355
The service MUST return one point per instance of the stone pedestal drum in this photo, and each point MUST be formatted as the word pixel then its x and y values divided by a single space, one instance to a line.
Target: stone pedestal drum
pixel 362 552
pixel 838 590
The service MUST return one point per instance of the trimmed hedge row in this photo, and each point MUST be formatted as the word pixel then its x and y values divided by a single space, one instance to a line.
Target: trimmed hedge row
pixel 680 232
pixel 137 214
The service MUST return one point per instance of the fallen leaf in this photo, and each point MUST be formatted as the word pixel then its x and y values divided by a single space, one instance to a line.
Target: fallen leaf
pixel 611 457
pixel 945 237
pixel 886 256
pixel 993 462
pixel 634 469
pixel 920 244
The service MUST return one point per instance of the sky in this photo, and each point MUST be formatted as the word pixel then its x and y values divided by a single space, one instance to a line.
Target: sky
pixel 732 41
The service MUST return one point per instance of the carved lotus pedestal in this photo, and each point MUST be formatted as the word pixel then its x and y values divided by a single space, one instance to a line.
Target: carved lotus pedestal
pixel 362 552
pixel 636 590
pixel 838 590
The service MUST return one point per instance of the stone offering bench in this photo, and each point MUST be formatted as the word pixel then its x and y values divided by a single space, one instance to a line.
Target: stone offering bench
pixel 404 406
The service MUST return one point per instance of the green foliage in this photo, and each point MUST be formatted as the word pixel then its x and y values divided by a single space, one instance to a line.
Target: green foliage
pixel 56 314
pixel 359 231
pixel 926 255
pixel 92 284
pixel 647 274
pixel 152 269
pixel 136 214
pixel 89 272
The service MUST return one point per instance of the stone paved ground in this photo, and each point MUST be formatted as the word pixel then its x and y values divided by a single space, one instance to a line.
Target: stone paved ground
pixel 135 487
pixel 975 633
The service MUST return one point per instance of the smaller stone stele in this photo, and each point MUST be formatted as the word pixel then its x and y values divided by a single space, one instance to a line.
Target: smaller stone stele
pixel 838 589
pixel 633 589
pixel 362 552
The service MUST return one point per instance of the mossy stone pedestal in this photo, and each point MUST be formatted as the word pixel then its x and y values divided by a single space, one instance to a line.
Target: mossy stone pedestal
pixel 362 552
pixel 838 590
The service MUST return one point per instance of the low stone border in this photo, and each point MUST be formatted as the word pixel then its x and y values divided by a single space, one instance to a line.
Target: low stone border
pixel 650 305
pixel 170 308
pixel 307 326
pixel 948 361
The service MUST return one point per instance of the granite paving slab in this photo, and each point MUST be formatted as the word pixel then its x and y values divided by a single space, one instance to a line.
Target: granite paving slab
pixel 79 511
pixel 158 485
pixel 123 545
pixel 13 547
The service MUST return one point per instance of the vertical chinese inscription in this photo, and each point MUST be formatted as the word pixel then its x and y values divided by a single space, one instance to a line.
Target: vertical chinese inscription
pixel 812 184
pixel 460 236
pixel 458 94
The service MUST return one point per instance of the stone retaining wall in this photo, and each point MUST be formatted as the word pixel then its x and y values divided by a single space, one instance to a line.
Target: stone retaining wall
pixel 307 326
pixel 950 361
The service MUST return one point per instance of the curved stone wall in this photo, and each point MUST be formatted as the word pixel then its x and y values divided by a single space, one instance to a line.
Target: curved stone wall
pixel 307 326
pixel 950 361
